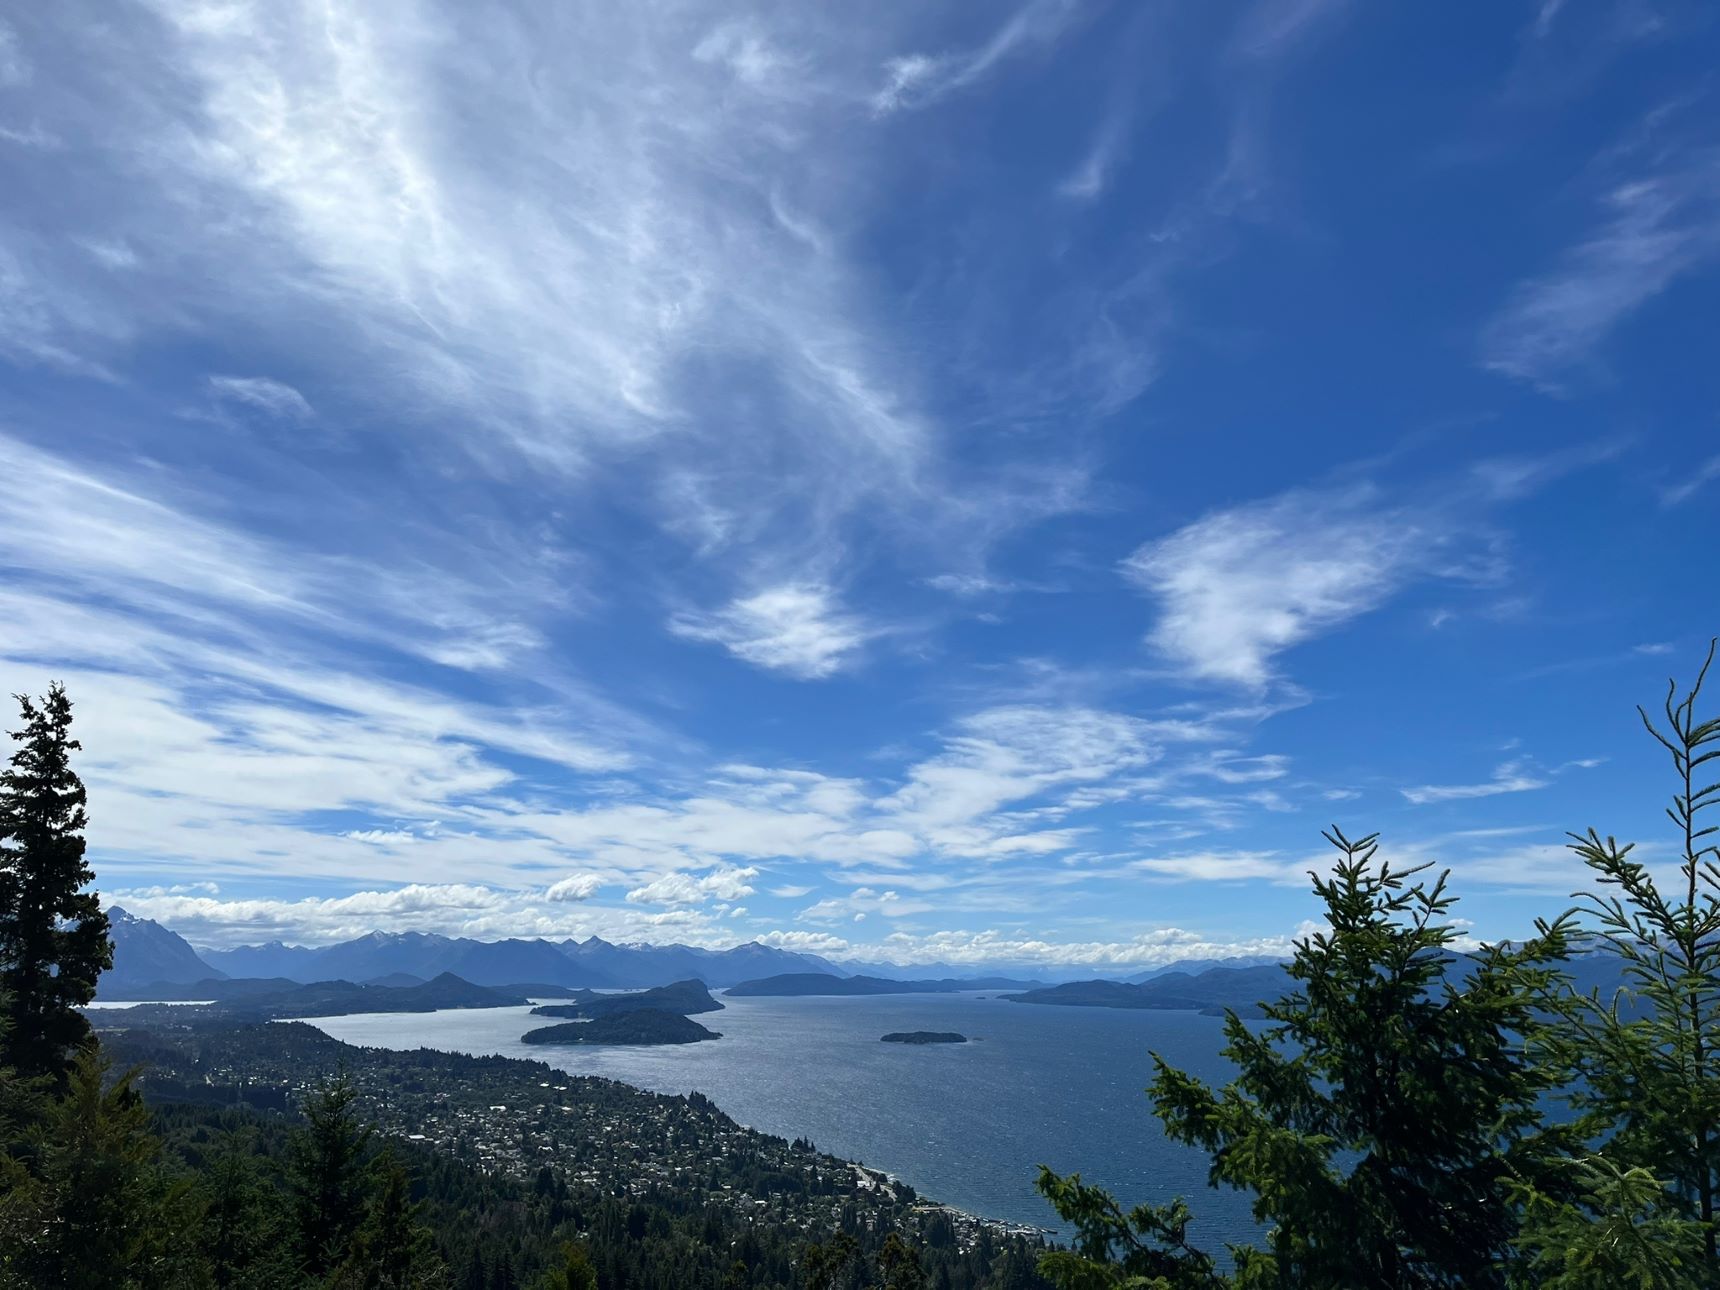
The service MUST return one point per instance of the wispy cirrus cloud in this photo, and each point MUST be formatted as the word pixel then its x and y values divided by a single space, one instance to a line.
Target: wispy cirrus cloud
pixel 1545 16
pixel 1517 776
pixel 36 318
pixel 1227 866
pixel 583 300
pixel 1693 482
pixel 1510 777
pixel 1013 754
pixel 1108 151
pixel 218 697
pixel 1655 229
pixel 276 398
pixel 1237 587
pixel 920 79
pixel 15 68
pixel 1270 29
pixel 1242 584
pixel 97 536
pixel 796 628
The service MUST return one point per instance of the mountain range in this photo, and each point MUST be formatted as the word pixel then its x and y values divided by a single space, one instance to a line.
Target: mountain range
pixel 1593 967
pixel 1216 987
pixel 146 953
pixel 1192 966
pixel 823 983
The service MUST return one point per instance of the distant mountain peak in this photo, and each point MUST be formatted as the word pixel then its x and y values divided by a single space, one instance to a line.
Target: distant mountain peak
pixel 146 953
pixel 593 963
pixel 401 938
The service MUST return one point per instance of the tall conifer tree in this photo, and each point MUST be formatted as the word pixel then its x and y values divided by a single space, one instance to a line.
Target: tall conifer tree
pixel 1645 1059
pixel 1381 1118
pixel 53 933
pixel 327 1176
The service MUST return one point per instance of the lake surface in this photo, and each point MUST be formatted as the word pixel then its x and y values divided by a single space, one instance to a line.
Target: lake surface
pixel 965 1124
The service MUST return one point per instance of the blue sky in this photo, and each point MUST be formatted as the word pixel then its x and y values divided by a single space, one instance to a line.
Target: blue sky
pixel 948 482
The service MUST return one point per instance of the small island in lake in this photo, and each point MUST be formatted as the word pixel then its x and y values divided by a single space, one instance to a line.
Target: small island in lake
pixel 641 1026
pixel 924 1037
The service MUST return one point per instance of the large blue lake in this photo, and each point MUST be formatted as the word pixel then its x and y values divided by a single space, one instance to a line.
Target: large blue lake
pixel 965 1124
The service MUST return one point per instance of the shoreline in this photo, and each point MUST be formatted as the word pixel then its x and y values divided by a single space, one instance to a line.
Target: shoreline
pixel 999 1224
pixel 867 1178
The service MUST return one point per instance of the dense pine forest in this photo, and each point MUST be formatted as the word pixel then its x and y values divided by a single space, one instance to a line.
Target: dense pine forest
pixel 1415 1112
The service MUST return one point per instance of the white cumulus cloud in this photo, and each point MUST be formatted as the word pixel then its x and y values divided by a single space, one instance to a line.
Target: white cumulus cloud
pixel 726 883
pixel 575 887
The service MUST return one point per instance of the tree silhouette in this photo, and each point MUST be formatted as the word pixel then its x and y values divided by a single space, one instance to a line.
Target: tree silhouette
pixel 53 933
